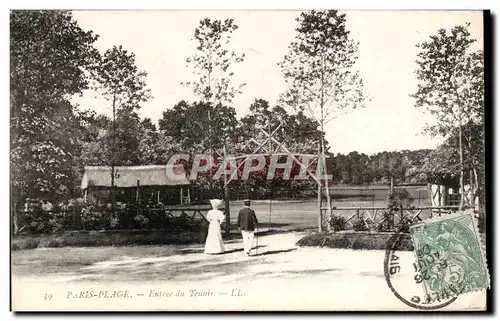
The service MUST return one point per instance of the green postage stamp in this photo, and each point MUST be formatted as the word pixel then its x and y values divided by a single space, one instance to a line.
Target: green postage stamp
pixel 450 258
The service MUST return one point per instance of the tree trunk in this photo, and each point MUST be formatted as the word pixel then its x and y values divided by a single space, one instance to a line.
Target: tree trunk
pixel 15 219
pixel 471 191
pixel 327 189
pixel 113 158
pixel 226 198
pixel 211 100
pixel 477 192
pixel 460 147
pixel 138 194
pixel 320 201
pixel 210 148
pixel 320 212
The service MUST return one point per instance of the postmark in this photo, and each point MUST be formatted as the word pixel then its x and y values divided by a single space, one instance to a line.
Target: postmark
pixel 449 254
pixel 401 274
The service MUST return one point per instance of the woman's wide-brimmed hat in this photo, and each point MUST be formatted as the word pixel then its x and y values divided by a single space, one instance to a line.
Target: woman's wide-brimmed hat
pixel 216 203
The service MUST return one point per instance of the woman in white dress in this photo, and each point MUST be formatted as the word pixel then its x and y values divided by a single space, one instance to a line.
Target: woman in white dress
pixel 214 243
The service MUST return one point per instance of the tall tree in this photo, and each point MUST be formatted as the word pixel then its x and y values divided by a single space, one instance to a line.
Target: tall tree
pixel 188 124
pixel 441 165
pixel 298 131
pixel 319 70
pixel 124 86
pixel 127 138
pixel 148 146
pixel 451 85
pixel 212 62
pixel 137 142
pixel 212 65
pixel 50 60
pixel 95 140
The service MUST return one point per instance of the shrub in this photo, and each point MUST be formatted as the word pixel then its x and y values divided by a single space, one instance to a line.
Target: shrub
pixel 362 245
pixel 94 219
pixel 39 221
pixel 360 225
pixel 385 224
pixel 114 221
pixel 397 200
pixel 56 224
pixel 480 223
pixel 338 223
pixel 404 225
pixel 141 220
pixel 356 241
pixel 310 240
pixel 342 243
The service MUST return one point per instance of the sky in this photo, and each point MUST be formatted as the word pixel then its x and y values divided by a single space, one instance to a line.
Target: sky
pixel 162 40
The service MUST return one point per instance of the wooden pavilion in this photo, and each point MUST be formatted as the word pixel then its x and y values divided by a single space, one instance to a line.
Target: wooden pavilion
pixel 166 184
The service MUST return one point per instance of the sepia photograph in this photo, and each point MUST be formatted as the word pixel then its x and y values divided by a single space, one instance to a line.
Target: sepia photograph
pixel 248 160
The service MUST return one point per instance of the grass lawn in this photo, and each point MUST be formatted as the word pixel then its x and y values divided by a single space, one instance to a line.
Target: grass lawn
pixel 293 215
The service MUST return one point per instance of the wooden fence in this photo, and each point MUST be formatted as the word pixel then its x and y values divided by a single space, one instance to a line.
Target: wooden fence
pixel 371 216
pixel 178 216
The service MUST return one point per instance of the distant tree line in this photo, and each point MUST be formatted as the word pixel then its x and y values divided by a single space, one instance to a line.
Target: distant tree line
pixel 358 168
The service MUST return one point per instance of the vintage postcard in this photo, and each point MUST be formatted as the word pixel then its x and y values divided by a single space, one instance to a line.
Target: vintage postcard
pixel 239 160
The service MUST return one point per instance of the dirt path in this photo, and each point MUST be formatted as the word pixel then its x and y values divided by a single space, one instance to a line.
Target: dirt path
pixel 186 263
pixel 281 276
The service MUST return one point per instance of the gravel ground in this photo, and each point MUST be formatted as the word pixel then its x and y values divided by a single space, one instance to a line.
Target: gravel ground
pixel 280 276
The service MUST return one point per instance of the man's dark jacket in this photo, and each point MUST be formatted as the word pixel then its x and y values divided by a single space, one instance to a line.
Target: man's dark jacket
pixel 247 220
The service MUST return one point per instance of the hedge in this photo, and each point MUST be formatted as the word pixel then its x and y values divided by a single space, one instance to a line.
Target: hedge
pixel 355 241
